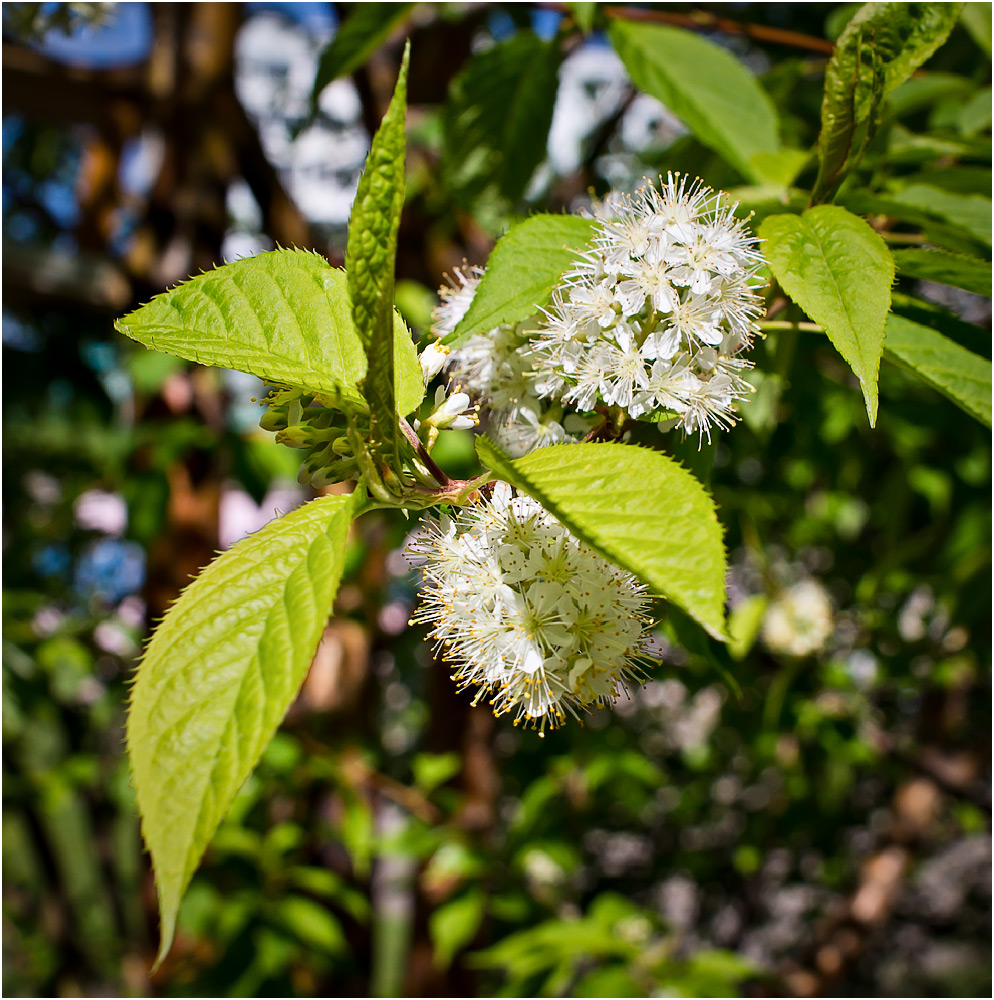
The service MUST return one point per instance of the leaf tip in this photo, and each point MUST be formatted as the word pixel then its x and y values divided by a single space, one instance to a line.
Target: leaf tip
pixel 405 61
pixel 872 402
pixel 718 634
pixel 167 935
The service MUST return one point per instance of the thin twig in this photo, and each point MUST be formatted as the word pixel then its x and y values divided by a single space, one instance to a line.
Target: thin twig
pixel 703 21
pixel 777 306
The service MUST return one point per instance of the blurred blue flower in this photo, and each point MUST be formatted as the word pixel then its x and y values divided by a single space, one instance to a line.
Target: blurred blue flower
pixel 111 569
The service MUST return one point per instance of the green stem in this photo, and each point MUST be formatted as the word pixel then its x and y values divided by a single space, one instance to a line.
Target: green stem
pixel 776 324
pixel 367 503
pixel 915 239
pixel 778 692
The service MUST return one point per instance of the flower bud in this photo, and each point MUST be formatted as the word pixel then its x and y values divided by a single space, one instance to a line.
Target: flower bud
pixel 433 359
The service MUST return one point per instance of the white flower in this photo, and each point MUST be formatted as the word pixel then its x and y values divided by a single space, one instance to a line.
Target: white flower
pixel 432 360
pixel 494 368
pixel 651 317
pixel 454 412
pixel 528 614
pixel 456 298
pixel 800 621
pixel 533 424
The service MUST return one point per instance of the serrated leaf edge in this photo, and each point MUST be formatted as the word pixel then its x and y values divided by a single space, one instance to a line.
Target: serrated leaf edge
pixel 586 536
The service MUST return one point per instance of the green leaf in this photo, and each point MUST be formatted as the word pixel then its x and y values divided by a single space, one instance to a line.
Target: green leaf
pixel 780 169
pixel 284 316
pixel 744 622
pixel 925 89
pixel 974 116
pixel 936 317
pixel 637 508
pixel 434 769
pixel 369 256
pixel 218 676
pixel 959 374
pixel 969 212
pixel 976 18
pixel 523 269
pixel 839 271
pixel 366 28
pixel 904 147
pixel 584 14
pixel 936 229
pixel 609 981
pixel 879 49
pixel 962 179
pixel 454 924
pixel 946 268
pixel 496 122
pixel 705 86
pixel 311 924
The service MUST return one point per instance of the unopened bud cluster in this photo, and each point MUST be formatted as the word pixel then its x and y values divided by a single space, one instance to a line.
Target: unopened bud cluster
pixel 313 425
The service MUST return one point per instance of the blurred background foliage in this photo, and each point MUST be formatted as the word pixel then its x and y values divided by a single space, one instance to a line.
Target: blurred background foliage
pixel 806 812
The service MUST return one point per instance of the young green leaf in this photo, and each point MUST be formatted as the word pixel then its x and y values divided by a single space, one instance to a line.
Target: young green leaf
pixel 946 268
pixel 959 374
pixel 705 86
pixel 367 27
pixel 839 271
pixel 369 258
pixel 638 508
pixel 284 316
pixel 497 122
pixel 879 49
pixel 218 676
pixel 311 924
pixel 523 269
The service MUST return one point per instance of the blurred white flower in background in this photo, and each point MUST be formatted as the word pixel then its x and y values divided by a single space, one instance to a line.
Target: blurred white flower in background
pixel 800 621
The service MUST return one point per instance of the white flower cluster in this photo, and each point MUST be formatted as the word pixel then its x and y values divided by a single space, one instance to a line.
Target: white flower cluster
pixel 651 319
pixel 528 613
pixel 653 316
pixel 495 369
